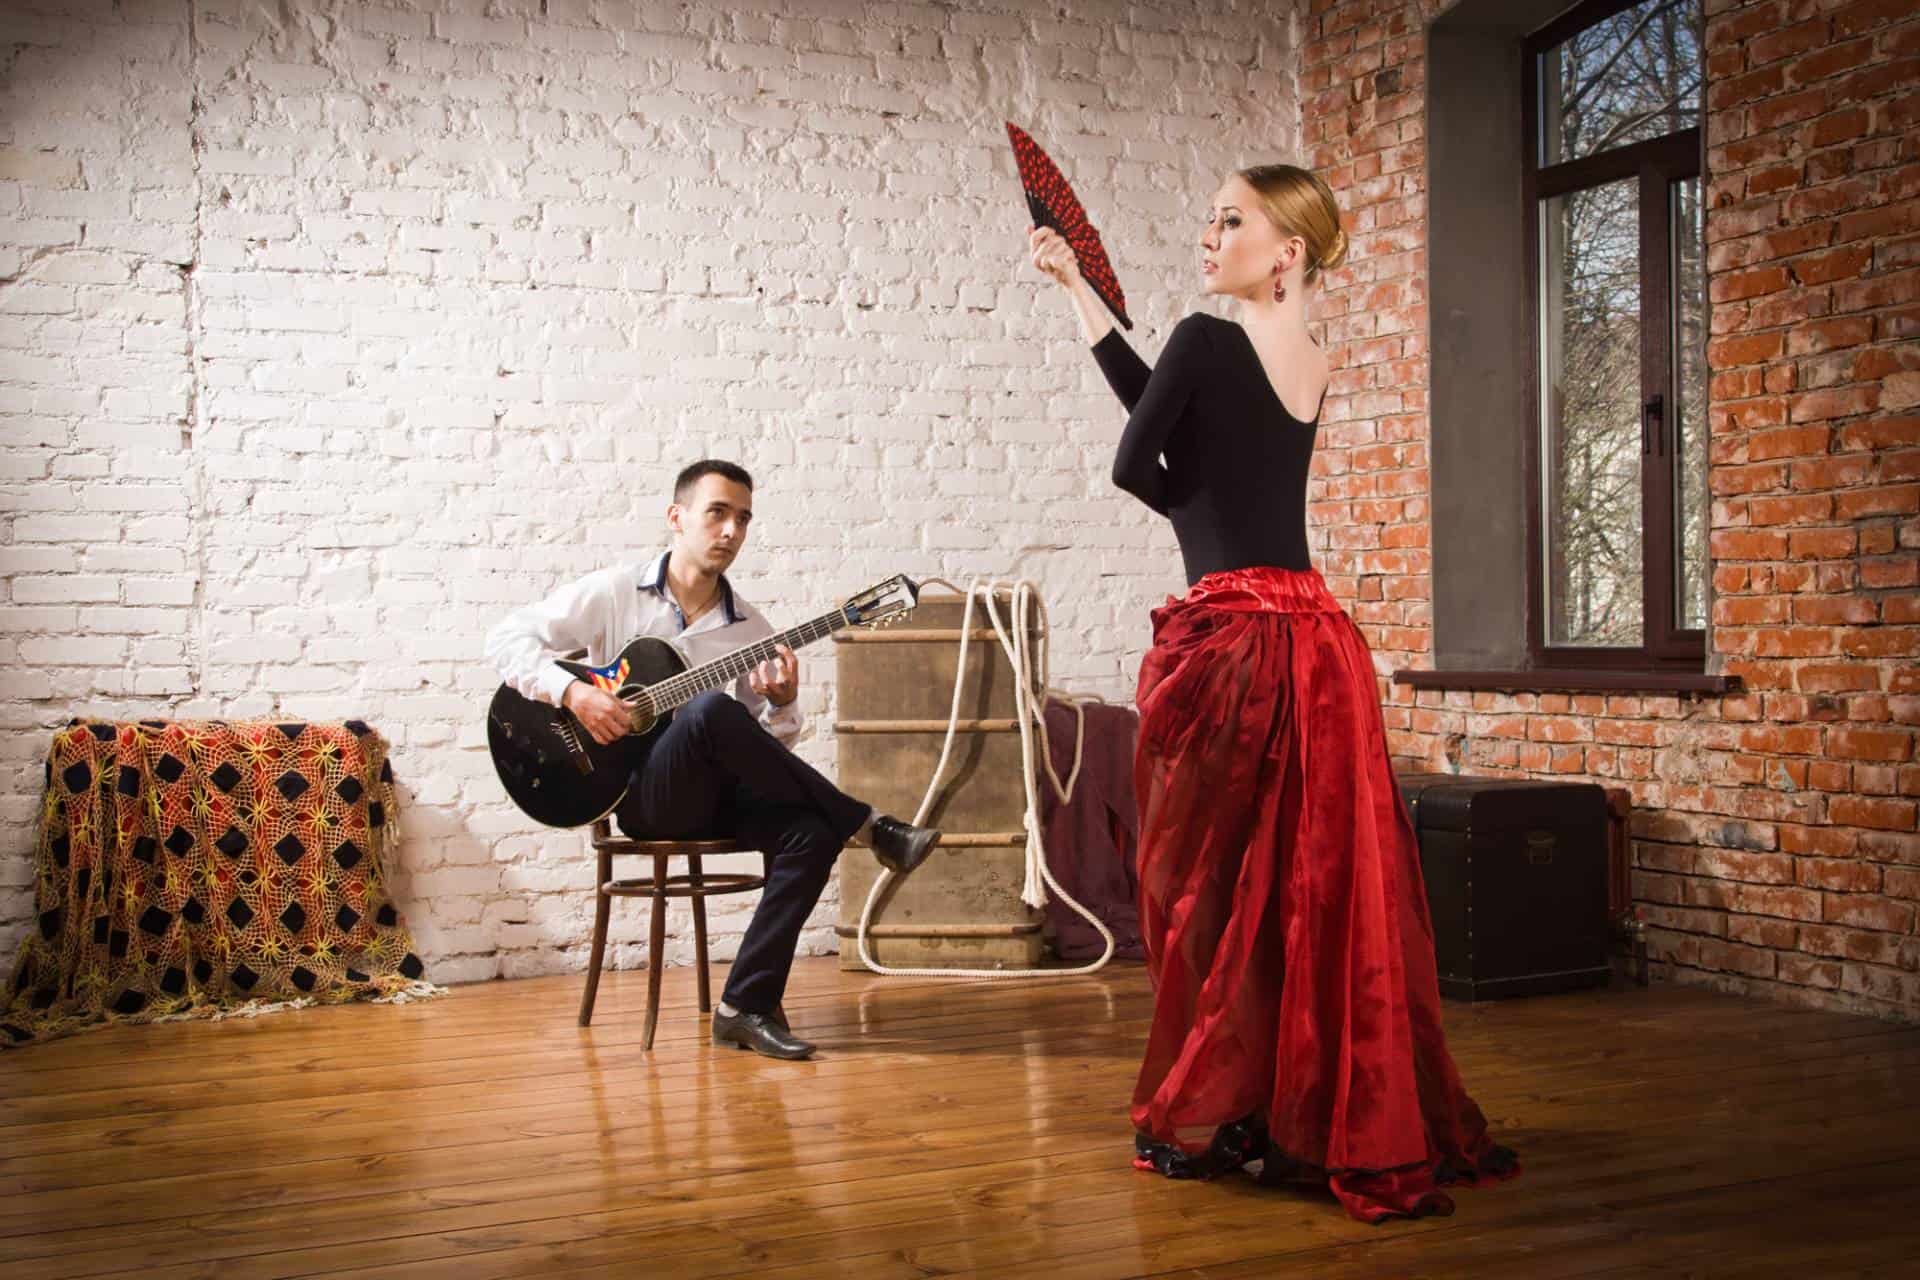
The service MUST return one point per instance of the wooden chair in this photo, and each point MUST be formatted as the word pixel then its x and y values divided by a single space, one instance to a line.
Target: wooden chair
pixel 694 884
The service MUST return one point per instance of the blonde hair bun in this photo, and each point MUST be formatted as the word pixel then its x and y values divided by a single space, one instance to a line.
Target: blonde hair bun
pixel 1336 252
pixel 1300 203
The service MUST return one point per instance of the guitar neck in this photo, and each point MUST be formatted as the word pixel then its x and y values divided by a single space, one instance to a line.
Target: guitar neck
pixel 676 691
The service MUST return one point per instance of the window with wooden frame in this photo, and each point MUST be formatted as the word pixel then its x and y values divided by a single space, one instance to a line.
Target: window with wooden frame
pixel 1617 463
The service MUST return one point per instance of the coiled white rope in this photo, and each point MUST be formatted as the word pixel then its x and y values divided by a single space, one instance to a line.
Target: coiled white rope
pixel 1030 694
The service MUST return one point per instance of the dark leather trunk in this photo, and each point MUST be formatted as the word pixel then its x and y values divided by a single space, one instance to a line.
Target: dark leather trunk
pixel 1516 873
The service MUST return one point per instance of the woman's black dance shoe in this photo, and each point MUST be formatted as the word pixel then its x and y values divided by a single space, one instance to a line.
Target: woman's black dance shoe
pixel 1233 1145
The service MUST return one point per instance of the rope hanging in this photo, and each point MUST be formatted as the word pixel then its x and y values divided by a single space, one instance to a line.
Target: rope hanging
pixel 1030 694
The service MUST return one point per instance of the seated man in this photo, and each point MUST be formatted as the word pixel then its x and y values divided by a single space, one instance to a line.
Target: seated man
pixel 723 765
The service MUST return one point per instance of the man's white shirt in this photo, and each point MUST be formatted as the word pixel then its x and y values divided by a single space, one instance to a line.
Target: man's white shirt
pixel 606 611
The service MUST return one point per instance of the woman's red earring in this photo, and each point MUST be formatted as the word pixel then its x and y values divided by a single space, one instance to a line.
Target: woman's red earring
pixel 1279 289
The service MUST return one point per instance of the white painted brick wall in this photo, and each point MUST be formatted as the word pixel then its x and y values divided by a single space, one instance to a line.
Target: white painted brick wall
pixel 331 329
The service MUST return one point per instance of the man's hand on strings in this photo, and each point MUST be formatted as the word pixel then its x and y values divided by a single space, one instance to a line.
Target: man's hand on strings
pixel 604 715
pixel 778 678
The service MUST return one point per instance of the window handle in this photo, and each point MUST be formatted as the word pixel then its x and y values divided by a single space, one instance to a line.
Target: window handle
pixel 1653 434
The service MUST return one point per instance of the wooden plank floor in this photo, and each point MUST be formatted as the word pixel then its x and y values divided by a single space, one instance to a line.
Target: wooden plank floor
pixel 946 1128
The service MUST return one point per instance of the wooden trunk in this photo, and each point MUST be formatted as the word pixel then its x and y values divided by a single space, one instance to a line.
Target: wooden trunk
pixel 1516 873
pixel 962 908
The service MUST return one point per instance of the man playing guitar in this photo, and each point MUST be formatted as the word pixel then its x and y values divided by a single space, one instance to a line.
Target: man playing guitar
pixel 723 766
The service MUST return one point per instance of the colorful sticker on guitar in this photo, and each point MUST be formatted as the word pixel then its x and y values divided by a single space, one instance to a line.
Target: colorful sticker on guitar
pixel 609 677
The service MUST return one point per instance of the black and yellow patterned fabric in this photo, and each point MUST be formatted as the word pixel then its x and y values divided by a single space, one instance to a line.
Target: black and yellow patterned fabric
pixel 187 867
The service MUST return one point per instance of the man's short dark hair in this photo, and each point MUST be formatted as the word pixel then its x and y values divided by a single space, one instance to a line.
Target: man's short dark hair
pixel 691 476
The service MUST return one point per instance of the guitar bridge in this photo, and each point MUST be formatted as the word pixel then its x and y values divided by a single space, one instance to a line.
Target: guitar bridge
pixel 570 734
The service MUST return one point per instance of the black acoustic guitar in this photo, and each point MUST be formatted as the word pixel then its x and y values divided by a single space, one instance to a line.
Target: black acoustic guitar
pixel 554 770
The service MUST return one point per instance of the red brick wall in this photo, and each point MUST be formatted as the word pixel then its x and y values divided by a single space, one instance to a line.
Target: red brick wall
pixel 1775 835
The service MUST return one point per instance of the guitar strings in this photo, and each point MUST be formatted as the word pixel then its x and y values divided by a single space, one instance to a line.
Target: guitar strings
pixel 666 695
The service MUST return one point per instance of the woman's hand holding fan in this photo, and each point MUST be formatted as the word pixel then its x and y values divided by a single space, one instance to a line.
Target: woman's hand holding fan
pixel 1053 256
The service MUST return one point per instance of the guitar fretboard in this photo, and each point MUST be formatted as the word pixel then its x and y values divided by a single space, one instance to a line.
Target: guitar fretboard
pixel 677 691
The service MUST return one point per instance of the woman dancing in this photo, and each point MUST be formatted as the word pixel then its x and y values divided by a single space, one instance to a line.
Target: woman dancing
pixel 1296 1014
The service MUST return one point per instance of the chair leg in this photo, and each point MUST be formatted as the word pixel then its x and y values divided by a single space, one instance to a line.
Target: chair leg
pixel 703 981
pixel 602 907
pixel 656 944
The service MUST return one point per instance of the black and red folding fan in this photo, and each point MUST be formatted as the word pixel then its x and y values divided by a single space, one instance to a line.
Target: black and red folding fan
pixel 1052 203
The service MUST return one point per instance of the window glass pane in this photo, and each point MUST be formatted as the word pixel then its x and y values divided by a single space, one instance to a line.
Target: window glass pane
pixel 1626 78
pixel 1690 408
pixel 1590 414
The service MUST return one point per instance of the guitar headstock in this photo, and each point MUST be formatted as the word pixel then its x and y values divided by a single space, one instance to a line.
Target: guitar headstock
pixel 883 602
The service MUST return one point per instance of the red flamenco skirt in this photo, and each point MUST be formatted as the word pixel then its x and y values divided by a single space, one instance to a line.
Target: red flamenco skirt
pixel 1284 912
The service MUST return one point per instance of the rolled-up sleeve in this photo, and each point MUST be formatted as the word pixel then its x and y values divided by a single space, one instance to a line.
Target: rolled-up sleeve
pixel 523 644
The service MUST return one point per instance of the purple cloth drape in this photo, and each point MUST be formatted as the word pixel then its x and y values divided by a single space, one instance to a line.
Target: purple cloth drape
pixel 1092 838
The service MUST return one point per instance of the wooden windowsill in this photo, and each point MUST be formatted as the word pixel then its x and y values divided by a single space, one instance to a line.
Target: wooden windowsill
pixel 1570 680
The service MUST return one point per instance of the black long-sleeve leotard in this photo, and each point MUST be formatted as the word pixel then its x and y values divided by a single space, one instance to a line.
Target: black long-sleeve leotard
pixel 1234 481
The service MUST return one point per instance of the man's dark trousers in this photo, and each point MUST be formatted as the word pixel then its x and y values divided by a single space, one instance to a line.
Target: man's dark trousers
pixel 716 771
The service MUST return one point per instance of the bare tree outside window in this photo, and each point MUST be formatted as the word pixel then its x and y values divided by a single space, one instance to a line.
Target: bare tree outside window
pixel 1633 76
pixel 1591 347
pixel 1690 395
pixel 1621 335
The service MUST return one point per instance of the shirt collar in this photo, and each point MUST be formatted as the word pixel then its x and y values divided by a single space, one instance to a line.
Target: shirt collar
pixel 654 578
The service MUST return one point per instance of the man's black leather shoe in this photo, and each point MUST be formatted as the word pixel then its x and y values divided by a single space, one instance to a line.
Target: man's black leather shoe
pixel 760 1033
pixel 901 846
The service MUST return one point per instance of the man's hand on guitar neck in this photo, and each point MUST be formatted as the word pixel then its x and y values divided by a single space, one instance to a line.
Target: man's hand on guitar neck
pixel 778 678
pixel 605 716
